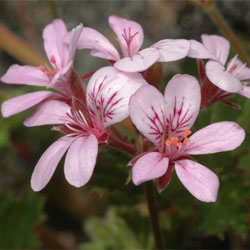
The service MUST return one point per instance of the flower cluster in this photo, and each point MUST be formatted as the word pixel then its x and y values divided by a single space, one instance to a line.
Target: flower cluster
pixel 86 114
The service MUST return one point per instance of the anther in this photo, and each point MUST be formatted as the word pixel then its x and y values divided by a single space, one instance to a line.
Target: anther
pixel 174 140
pixel 186 140
pixel 179 144
pixel 167 142
pixel 186 133
pixel 41 68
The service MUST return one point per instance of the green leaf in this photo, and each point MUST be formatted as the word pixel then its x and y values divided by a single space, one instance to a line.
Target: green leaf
pixel 115 231
pixel 18 218
pixel 229 211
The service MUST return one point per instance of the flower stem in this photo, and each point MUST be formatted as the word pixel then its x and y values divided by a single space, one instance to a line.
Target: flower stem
pixel 228 32
pixel 153 211
pixel 125 147
pixel 210 7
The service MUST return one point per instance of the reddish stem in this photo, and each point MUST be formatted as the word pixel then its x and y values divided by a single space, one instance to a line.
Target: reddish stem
pixel 118 134
pixel 125 147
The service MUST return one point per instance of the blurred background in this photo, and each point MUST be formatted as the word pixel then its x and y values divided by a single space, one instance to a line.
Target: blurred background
pixel 106 213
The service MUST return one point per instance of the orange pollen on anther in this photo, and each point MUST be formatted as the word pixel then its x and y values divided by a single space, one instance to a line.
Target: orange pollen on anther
pixel 167 142
pixel 186 133
pixel 186 140
pixel 174 140
pixel 179 144
pixel 48 73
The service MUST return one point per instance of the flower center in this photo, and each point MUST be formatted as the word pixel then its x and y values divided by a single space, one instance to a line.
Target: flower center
pixel 47 70
pixel 81 123
pixel 174 144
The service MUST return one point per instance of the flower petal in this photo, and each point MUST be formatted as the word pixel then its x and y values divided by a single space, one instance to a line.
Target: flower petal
pixel 54 43
pixel 80 160
pixel 200 181
pixel 172 49
pixel 129 34
pixel 245 92
pixel 73 41
pixel 27 75
pixel 20 103
pixel 218 45
pixel 241 72
pixel 100 45
pixel 146 108
pixel 149 167
pixel 60 80
pixel 48 162
pixel 198 50
pixel 217 137
pixel 182 103
pixel 222 79
pixel 50 112
pixel 141 61
pixel 108 94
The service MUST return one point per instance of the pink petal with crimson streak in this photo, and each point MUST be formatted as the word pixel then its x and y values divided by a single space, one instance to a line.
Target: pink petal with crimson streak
pixel 99 44
pixel 222 79
pixel 149 167
pixel 48 162
pixel 217 45
pixel 172 49
pixel 20 103
pixel 146 108
pixel 141 61
pixel 217 137
pixel 198 50
pixel 80 160
pixel 108 94
pixel 200 181
pixel 129 33
pixel 182 103
pixel 54 44
pixel 27 75
pixel 50 112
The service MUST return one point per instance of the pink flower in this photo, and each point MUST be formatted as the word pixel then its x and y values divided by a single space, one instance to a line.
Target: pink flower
pixel 166 121
pixel 130 37
pixel 61 57
pixel 108 94
pixel 227 78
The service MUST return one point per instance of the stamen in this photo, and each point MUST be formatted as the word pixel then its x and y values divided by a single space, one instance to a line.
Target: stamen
pixel 174 140
pixel 42 68
pixel 186 133
pixel 167 142
pixel 240 68
pixel 179 144
pixel 186 140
